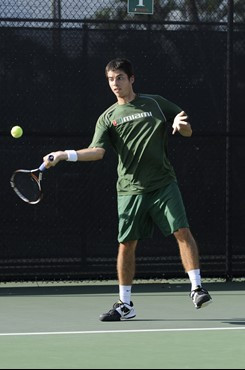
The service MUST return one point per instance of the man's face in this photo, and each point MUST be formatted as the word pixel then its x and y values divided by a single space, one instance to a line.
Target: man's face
pixel 119 83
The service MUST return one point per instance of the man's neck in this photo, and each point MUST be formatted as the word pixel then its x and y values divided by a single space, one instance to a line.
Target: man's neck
pixel 126 99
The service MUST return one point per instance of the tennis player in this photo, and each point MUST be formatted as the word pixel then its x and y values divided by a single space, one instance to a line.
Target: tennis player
pixel 147 188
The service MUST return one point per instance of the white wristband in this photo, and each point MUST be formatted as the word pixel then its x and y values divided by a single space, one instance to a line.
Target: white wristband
pixel 72 155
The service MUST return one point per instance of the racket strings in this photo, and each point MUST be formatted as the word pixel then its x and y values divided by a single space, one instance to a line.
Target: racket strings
pixel 27 186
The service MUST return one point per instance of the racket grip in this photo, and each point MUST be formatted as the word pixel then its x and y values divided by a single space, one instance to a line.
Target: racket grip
pixel 42 167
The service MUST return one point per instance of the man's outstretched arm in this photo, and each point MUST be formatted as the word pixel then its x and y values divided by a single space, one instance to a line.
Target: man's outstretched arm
pixel 87 154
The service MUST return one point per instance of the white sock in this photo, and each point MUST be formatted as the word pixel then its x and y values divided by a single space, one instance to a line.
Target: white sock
pixel 195 278
pixel 125 293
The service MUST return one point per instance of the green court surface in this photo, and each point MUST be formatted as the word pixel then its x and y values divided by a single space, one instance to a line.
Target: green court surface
pixel 56 326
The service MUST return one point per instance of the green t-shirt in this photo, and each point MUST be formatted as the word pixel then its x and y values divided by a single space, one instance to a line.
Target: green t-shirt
pixel 138 133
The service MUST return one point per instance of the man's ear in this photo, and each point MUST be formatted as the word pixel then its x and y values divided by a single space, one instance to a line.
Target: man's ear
pixel 132 79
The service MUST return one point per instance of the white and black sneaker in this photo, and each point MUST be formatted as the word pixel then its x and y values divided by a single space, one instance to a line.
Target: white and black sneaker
pixel 200 297
pixel 119 311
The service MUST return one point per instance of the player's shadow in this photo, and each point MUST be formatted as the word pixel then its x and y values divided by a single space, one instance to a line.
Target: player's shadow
pixel 239 321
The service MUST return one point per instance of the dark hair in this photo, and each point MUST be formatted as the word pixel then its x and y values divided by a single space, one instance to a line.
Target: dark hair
pixel 123 64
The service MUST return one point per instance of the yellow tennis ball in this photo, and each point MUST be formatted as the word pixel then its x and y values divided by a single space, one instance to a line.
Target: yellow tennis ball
pixel 16 132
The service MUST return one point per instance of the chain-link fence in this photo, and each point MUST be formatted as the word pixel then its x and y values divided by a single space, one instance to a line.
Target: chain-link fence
pixel 52 59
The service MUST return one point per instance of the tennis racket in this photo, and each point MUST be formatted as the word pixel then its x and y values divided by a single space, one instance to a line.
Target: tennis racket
pixel 27 183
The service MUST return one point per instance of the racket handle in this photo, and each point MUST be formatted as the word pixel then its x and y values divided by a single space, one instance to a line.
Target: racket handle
pixel 42 167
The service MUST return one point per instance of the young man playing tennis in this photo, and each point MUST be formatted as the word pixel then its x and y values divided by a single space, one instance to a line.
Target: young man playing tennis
pixel 148 193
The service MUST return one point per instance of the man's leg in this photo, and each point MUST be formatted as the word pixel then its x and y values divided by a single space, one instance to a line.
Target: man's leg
pixel 126 262
pixel 188 249
pixel 125 270
pixel 190 259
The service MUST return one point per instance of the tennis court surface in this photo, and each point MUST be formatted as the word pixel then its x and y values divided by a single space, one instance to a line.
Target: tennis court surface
pixel 56 326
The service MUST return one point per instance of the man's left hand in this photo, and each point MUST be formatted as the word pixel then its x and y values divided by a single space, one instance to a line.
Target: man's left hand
pixel 181 125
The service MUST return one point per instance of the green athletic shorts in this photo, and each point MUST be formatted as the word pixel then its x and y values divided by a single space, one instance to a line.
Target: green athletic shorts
pixel 139 213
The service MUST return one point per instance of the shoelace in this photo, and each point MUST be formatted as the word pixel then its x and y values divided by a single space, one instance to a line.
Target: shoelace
pixel 117 304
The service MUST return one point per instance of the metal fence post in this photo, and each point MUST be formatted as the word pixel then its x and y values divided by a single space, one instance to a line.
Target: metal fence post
pixel 229 76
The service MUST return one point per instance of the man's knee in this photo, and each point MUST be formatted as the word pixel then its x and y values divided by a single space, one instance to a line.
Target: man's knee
pixel 128 247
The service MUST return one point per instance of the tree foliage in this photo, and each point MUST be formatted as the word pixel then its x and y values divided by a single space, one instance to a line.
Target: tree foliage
pixel 176 10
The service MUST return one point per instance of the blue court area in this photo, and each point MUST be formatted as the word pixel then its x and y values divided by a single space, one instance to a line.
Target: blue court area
pixel 56 326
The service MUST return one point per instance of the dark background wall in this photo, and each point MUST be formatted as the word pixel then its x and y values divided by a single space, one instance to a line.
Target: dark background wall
pixel 52 84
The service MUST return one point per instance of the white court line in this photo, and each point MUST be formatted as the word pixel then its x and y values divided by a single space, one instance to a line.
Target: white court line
pixel 120 331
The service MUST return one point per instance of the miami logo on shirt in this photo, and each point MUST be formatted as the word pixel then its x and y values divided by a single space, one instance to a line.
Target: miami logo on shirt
pixel 132 117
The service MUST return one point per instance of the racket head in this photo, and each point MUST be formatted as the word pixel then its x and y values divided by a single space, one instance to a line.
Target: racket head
pixel 27 185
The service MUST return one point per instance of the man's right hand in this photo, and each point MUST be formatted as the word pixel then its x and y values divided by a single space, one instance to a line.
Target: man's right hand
pixel 58 156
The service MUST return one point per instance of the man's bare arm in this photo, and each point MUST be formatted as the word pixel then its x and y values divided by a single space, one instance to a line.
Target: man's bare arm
pixel 87 154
